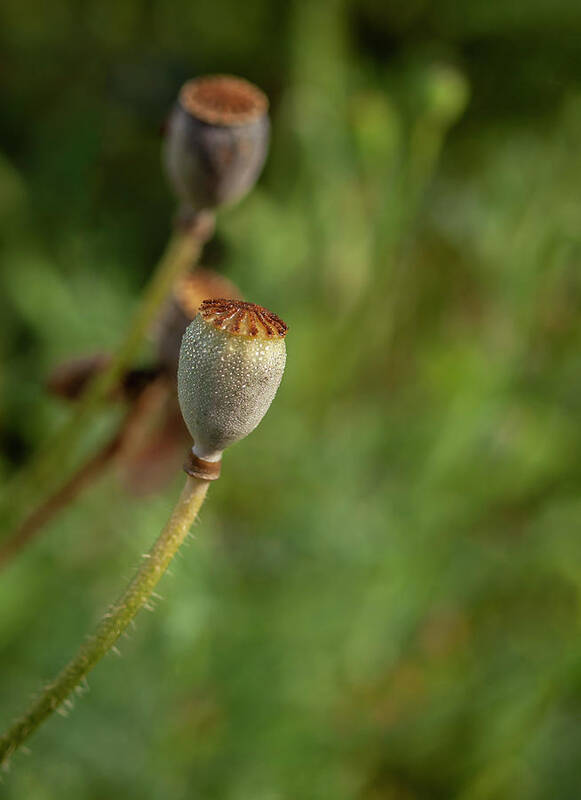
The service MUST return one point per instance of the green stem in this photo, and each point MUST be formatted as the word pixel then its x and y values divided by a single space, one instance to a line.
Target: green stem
pixel 65 494
pixel 115 621
pixel 57 456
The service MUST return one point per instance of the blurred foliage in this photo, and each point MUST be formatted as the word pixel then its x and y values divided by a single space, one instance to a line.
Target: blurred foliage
pixel 382 597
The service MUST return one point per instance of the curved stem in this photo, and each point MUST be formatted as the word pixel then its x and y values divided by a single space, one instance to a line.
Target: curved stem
pixel 56 456
pixel 114 622
pixel 136 384
pixel 65 494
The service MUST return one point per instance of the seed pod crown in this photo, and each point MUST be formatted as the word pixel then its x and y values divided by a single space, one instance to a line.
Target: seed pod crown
pixel 231 363
pixel 180 309
pixel 243 319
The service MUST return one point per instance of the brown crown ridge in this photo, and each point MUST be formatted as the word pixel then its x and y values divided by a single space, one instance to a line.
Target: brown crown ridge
pixel 192 289
pixel 223 100
pixel 243 319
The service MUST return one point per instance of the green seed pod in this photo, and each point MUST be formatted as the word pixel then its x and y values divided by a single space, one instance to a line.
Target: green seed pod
pixel 231 363
pixel 216 140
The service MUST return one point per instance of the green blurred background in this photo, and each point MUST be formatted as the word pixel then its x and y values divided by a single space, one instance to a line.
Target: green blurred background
pixel 386 605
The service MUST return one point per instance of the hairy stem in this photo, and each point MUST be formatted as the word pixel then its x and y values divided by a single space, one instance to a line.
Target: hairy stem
pixel 56 457
pixel 114 622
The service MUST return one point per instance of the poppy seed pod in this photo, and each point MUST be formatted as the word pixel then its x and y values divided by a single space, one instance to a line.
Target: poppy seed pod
pixel 182 307
pixel 216 140
pixel 231 363
pixel 70 379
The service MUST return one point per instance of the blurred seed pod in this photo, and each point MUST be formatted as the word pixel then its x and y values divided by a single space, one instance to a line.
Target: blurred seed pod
pixel 154 443
pixel 216 140
pixel 231 364
pixel 183 306
pixel 70 379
